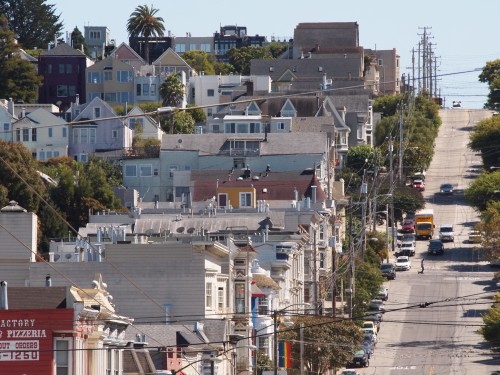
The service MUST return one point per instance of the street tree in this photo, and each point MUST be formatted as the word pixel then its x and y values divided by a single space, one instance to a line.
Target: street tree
pixel 143 22
pixel 490 229
pixel 484 189
pixel 491 319
pixel 18 77
pixel 78 40
pixel 172 94
pixel 34 22
pixel 491 76
pixel 328 344
pixel 485 138
pixel 197 114
pixel 363 158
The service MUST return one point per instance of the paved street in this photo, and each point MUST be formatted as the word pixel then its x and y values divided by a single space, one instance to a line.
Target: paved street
pixel 441 338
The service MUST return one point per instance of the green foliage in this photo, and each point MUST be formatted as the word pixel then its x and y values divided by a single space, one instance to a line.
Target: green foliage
pixel 491 75
pixel 363 158
pixel 16 160
pixel 240 57
pixel 491 328
pixel 485 138
pixel 197 114
pixel 368 281
pixel 224 69
pixel 78 41
pixel 144 22
pixel 388 105
pixel 329 345
pixel 183 123
pixel 485 189
pixel 406 199
pixel 490 229
pixel 172 91
pixel 262 363
pixel 200 61
pixel 18 77
pixel 277 48
pixel 34 22
pixel 376 247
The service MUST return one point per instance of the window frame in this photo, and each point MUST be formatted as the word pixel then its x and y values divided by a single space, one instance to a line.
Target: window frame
pixel 127 169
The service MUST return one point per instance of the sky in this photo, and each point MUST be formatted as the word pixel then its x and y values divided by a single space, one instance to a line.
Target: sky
pixel 465 34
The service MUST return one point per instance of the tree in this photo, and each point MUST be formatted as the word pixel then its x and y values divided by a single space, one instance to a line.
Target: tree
pixel 197 114
pixel 485 138
pixel 327 344
pixel 200 61
pixel 362 158
pixel 485 189
pixel 240 57
pixel 78 40
pixel 491 319
pixel 18 77
pixel 490 229
pixel 18 174
pixel 491 76
pixel 262 363
pixel 144 22
pixel 34 22
pixel 172 91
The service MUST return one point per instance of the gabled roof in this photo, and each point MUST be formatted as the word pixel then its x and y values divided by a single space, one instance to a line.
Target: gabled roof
pixel 43 117
pixel 125 52
pixel 163 334
pixel 353 103
pixel 85 109
pixel 171 58
pixel 63 49
pixel 110 62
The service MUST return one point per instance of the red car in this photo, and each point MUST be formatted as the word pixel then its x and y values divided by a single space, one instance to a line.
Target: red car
pixel 419 185
pixel 408 226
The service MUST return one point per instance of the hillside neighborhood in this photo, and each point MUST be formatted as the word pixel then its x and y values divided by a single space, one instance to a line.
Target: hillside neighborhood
pixel 138 241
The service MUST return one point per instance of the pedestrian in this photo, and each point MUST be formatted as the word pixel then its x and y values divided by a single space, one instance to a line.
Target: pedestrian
pixel 422 265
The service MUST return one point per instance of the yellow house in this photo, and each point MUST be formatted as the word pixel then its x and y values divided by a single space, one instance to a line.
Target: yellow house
pixel 237 197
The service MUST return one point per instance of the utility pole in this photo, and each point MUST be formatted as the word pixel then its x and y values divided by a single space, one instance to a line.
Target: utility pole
pixel 364 194
pixel 351 261
pixel 275 342
pixel 391 178
pixel 315 270
pixel 400 169
pixel 334 268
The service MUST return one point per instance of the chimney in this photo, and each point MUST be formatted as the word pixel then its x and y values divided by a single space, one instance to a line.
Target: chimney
pixel 77 99
pixel 11 107
pixel 4 301
pixel 48 281
pixel 23 112
pixel 313 193
pixel 250 88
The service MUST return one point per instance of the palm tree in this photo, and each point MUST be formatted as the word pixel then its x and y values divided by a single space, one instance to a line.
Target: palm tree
pixel 172 93
pixel 143 22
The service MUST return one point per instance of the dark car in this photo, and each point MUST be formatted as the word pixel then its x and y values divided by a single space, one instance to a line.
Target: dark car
pixel 368 348
pixel 435 247
pixel 446 189
pixel 388 270
pixel 359 359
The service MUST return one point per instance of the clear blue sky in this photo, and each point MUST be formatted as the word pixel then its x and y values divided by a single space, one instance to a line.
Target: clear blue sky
pixel 465 34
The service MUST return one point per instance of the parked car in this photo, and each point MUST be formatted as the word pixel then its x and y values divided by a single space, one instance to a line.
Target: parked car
pixel 446 189
pixel 399 239
pixel 403 263
pixel 435 247
pixel 419 185
pixel 388 270
pixel 376 305
pixel 383 293
pixel 475 236
pixel 369 326
pixel 410 215
pixel 368 348
pixel 446 233
pixel 371 337
pixel 359 359
pixel 349 372
pixel 407 248
pixel 408 226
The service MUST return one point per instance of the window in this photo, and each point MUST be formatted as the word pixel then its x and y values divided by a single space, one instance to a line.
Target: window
pixel 246 200
pixel 18 135
pixel 62 357
pixel 110 97
pixel 41 155
pixel 94 77
pixel 138 89
pixel 380 62
pixel 124 76
pixel 69 69
pixel 146 170
pixel 33 135
pixel 50 132
pixel 92 136
pixel 97 112
pixel 263 306
pixel 206 47
pixel 220 298
pixel 108 76
pixel 239 298
pixel 210 92
pixel 280 126
pixel 84 136
pixel 49 69
pixel 71 90
pixel 95 35
pixel 125 97
pixel 209 112
pixel 321 259
pixel 84 158
pixel 26 135
pixel 114 134
pixel 6 126
pixel 192 47
pixel 208 295
pixel 180 48
pixel 65 132
pixel 263 344
pixel 61 68
pixel 131 171
pixel 62 90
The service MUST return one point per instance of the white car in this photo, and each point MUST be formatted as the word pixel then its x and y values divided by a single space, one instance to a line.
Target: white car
pixel 403 263
pixel 446 233
pixel 407 248
pixel 383 293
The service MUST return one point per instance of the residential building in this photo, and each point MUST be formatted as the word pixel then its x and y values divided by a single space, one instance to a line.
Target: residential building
pixel 112 81
pixel 42 133
pixel 157 45
pixel 97 39
pixel 63 70
pixel 387 63
pixel 233 36
pixel 126 54
pixel 192 43
pixel 99 130
pixel 7 118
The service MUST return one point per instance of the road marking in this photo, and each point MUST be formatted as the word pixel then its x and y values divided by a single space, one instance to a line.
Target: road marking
pixel 403 368
pixel 463 278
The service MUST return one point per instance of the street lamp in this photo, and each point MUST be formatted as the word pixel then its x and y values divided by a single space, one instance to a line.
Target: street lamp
pixel 275 333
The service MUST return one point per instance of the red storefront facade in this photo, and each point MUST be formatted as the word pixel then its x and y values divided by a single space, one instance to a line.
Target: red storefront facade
pixel 29 338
